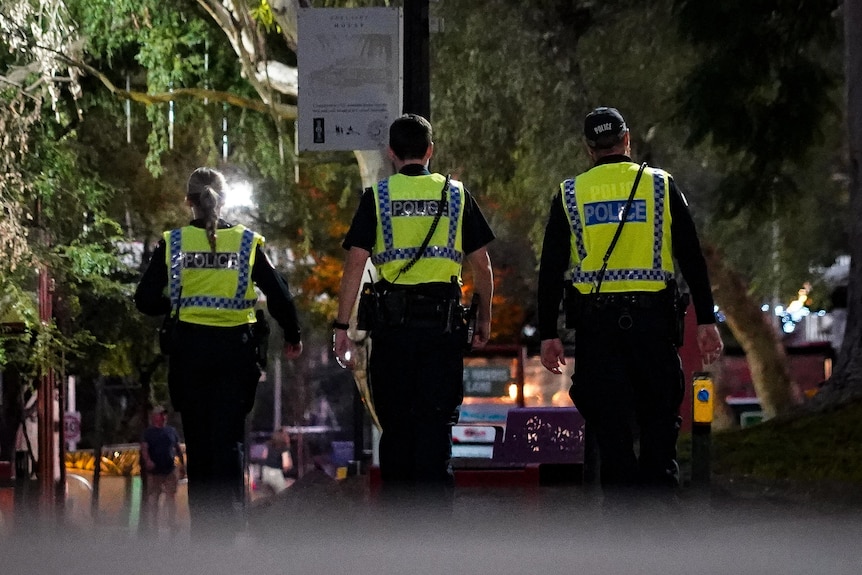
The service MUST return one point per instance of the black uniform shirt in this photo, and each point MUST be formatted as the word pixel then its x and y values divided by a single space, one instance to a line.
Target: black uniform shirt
pixel 556 257
pixel 476 233
pixel 150 297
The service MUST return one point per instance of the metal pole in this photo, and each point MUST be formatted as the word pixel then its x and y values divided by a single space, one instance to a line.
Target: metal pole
pixel 97 449
pixel 276 394
pixel 358 430
pixel 519 367
pixel 701 427
pixel 60 484
pixel 45 405
pixel 71 405
pixel 128 111
pixel 417 61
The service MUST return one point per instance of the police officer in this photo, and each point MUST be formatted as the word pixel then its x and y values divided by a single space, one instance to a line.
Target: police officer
pixel 416 364
pixel 206 271
pixel 627 382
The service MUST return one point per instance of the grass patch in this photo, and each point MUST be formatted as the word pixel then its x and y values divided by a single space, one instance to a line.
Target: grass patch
pixel 817 447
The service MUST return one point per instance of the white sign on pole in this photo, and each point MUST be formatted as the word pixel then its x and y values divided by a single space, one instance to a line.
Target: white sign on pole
pixel 72 426
pixel 349 62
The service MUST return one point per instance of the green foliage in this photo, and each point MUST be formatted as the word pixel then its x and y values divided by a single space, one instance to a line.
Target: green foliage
pixel 166 40
pixel 510 120
pixel 162 46
pixel 760 89
pixel 509 102
pixel 159 47
pixel 262 13
pixel 62 201
pixel 89 261
pixel 764 96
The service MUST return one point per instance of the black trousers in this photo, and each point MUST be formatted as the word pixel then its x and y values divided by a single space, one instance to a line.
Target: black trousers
pixel 628 384
pixel 212 379
pixel 417 383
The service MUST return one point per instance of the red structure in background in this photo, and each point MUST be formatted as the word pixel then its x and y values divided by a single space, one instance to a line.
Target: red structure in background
pixel 809 364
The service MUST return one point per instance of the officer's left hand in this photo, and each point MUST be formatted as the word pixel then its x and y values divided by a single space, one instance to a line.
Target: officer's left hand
pixel 292 350
pixel 709 342
pixel 553 355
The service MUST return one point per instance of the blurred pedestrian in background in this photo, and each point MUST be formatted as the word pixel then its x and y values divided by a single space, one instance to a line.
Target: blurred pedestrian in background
pixel 159 449
pixel 321 413
pixel 277 462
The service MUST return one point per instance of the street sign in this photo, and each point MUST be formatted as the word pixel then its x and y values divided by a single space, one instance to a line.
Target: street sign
pixel 72 426
pixel 349 62
pixel 486 381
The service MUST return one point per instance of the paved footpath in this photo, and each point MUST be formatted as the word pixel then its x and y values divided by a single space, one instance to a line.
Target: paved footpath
pixel 322 526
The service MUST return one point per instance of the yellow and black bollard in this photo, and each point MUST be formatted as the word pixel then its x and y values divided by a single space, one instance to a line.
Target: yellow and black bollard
pixel 701 427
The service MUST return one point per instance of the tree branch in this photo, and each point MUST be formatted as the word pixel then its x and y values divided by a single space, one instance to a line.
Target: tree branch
pixel 282 111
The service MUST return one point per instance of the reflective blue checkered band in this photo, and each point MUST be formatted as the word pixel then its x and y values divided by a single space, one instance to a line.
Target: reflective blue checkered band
pixel 658 236
pixel 621 275
pixel 175 250
pixel 218 302
pixel 239 301
pixel 408 253
pixel 390 253
pixel 454 217
pixel 245 247
pixel 574 217
pixel 385 213
pixel 655 274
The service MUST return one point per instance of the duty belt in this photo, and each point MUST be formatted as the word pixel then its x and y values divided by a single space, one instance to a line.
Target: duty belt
pixel 415 310
pixel 643 300
pixel 623 304
pixel 417 305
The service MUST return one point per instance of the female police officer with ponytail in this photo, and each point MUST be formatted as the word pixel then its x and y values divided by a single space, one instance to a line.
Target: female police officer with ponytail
pixel 205 273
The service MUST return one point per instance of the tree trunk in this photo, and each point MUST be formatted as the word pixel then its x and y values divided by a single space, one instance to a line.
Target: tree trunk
pixel 846 381
pixel 755 333
pixel 373 166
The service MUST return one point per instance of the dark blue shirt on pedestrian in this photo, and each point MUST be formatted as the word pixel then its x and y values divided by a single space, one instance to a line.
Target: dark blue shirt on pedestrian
pixel 161 446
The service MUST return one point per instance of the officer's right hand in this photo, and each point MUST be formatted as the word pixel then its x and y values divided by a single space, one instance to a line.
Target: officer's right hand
pixel 483 333
pixel 341 346
pixel 553 355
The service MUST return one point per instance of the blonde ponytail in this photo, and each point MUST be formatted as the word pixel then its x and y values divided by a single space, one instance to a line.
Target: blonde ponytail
pixel 208 204
pixel 206 191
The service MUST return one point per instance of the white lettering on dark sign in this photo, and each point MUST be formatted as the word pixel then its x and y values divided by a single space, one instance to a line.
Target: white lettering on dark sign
pixel 209 260
pixel 408 208
pixel 602 128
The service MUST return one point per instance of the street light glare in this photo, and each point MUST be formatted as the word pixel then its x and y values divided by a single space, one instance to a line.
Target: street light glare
pixel 239 194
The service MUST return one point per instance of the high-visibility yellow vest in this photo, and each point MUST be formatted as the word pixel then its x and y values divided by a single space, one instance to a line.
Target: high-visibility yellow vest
pixel 212 288
pixel 406 207
pixel 594 201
